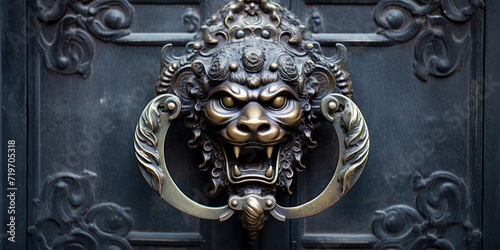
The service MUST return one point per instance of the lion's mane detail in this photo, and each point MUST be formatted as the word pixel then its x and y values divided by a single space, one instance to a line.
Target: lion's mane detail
pixel 253 47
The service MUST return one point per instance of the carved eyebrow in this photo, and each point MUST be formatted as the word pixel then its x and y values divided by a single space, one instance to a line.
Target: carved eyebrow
pixel 273 90
pixel 234 90
pixel 268 77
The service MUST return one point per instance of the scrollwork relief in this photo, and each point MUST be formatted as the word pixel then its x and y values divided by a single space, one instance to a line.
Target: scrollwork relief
pixel 438 51
pixel 191 20
pixel 442 203
pixel 66 217
pixel 315 21
pixel 72 48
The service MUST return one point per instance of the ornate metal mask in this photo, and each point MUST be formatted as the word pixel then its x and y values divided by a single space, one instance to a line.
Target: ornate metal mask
pixel 251 87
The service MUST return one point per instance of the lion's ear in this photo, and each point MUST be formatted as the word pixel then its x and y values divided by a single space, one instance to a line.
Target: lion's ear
pixel 181 77
pixel 328 76
pixel 169 66
pixel 320 83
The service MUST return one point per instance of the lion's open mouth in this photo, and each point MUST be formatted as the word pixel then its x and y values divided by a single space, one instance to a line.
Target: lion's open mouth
pixel 252 162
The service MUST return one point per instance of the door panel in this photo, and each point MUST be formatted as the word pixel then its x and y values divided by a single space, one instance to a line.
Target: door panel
pixel 419 125
pixel 421 90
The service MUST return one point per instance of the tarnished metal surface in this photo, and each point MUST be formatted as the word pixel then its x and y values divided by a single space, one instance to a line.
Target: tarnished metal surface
pixel 252 87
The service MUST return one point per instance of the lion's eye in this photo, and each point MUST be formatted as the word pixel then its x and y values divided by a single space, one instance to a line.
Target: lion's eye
pixel 278 102
pixel 227 102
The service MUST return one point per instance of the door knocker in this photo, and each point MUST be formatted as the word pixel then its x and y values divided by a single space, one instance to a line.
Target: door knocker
pixel 251 86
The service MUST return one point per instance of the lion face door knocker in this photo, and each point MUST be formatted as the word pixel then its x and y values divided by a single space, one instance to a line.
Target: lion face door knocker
pixel 251 87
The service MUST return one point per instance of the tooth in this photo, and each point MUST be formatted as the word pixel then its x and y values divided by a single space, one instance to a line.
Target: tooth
pixel 237 150
pixel 237 171
pixel 269 172
pixel 269 151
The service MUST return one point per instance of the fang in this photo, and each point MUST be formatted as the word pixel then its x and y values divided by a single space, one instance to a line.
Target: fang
pixel 237 171
pixel 269 151
pixel 269 172
pixel 237 150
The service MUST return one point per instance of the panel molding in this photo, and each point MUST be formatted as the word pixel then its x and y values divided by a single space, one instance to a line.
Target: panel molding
pixel 491 140
pixel 185 239
pixel 352 39
pixel 325 39
pixel 339 2
pixel 155 39
pixel 356 241
pixel 164 1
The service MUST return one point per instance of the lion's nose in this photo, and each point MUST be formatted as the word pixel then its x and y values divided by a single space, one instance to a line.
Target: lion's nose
pixel 253 127
pixel 253 122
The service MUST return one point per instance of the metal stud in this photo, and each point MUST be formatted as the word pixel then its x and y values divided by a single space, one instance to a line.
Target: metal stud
pixel 265 34
pixel 233 66
pixel 273 66
pixel 332 105
pixel 171 106
pixel 240 34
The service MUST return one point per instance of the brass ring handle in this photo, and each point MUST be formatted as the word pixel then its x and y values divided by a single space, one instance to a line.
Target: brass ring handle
pixel 343 113
pixel 149 145
pixel 354 146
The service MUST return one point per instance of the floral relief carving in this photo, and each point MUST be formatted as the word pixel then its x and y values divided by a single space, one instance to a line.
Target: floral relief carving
pixel 77 22
pixel 191 20
pixel 438 52
pixel 65 216
pixel 315 21
pixel 442 203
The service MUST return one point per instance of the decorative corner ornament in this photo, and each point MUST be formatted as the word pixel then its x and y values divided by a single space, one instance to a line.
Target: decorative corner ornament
pixel 66 216
pixel 252 86
pixel 438 50
pixel 77 23
pixel 442 203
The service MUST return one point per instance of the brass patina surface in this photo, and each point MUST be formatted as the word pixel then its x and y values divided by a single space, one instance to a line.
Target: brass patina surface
pixel 252 86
